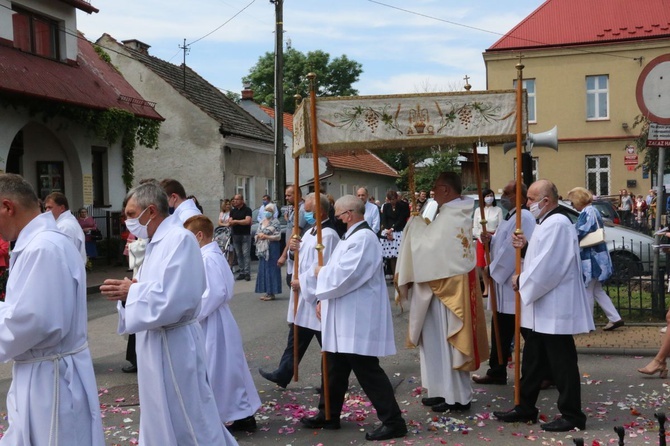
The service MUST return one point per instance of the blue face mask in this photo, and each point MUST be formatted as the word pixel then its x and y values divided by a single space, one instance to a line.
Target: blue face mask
pixel 309 218
pixel 268 215
pixel 171 210
pixel 265 202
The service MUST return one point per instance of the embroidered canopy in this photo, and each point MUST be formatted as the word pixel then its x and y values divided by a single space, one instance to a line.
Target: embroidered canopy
pixel 408 121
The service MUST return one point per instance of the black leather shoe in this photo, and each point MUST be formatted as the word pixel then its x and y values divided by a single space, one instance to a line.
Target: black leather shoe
pixel 513 416
pixel 132 368
pixel 561 425
pixel 385 432
pixel 456 407
pixel 319 422
pixel 247 424
pixel 272 377
pixel 488 379
pixel 239 277
pixel 432 401
pixel 247 277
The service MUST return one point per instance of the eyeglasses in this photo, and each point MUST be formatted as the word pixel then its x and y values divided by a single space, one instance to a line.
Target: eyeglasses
pixel 342 213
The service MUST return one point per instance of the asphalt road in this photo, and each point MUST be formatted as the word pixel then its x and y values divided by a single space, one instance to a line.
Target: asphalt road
pixel 614 394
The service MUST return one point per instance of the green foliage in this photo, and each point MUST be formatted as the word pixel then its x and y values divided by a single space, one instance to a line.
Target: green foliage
pixel 333 77
pixel 440 159
pixel 102 53
pixel 110 125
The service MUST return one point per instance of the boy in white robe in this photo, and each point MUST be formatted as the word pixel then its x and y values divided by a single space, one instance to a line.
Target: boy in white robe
pixel 227 368
pixel 43 328
pixel 161 306
pixel 356 325
pixel 181 207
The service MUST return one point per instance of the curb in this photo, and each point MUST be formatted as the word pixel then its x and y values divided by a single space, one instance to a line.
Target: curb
pixel 617 351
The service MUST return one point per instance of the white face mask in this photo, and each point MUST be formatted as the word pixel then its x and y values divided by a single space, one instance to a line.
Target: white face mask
pixel 488 200
pixel 535 208
pixel 136 228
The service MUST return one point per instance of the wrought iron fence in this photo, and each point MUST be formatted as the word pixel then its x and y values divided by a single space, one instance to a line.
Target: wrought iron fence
pixel 637 290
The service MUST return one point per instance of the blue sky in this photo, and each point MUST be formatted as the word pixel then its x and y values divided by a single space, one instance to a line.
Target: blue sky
pixel 400 52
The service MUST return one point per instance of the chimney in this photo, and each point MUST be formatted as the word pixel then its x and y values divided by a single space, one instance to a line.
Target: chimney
pixel 137 46
pixel 247 93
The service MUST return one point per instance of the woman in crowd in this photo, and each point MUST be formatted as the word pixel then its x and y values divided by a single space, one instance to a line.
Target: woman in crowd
pixel 395 213
pixel 225 212
pixel 493 215
pixel 268 235
pixel 596 261
pixel 88 226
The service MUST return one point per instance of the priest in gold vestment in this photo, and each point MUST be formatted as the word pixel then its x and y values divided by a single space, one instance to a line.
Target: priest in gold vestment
pixel 436 272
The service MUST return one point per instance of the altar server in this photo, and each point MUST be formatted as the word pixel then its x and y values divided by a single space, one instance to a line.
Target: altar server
pixel 227 368
pixel 161 306
pixel 53 398
pixel 356 325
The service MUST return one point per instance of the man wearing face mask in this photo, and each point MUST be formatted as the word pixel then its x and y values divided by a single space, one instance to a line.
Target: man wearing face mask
pixel 161 307
pixel 555 307
pixel 286 257
pixel 178 204
pixel 308 324
pixel 261 210
pixel 501 269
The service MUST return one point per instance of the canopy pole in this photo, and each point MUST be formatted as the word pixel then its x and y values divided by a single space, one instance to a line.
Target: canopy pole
pixel 317 214
pixel 518 231
pixel 296 235
pixel 487 256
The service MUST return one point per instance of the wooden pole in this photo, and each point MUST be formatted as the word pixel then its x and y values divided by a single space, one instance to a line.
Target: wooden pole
pixel 518 231
pixel 412 187
pixel 317 214
pixel 296 235
pixel 487 255
pixel 296 293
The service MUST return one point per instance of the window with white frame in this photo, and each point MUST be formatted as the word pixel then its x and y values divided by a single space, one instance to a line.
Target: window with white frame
pixel 270 187
pixel 598 174
pixel 343 190
pixel 597 97
pixel 529 85
pixel 243 187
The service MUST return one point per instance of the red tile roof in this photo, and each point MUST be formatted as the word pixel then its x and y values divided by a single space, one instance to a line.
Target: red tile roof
pixel 363 161
pixel 84 5
pixel 575 22
pixel 288 117
pixel 91 83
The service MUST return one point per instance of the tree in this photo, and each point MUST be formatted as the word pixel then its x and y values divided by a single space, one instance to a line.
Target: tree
pixel 432 162
pixel 334 77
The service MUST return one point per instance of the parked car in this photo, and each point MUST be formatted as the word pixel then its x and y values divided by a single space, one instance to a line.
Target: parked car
pixel 631 251
pixel 254 228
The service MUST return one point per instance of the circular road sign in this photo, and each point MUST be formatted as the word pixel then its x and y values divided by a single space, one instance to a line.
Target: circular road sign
pixel 653 90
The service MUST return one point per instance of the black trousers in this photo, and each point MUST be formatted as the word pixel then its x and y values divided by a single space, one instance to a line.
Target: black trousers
pixel 284 372
pixel 506 332
pixel 131 356
pixel 372 379
pixel 551 355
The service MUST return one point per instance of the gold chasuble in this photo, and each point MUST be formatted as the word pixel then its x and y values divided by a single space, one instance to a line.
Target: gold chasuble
pixel 441 255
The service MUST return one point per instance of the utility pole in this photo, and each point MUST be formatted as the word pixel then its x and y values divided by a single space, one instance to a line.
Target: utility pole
pixel 280 160
pixel 185 48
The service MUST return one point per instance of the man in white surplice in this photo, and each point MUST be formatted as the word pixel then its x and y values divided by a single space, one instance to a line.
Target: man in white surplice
pixel 435 270
pixel 227 368
pixel 356 325
pixel 161 306
pixel 501 269
pixel 308 325
pixel 68 224
pixel 181 207
pixel 555 307
pixel 53 398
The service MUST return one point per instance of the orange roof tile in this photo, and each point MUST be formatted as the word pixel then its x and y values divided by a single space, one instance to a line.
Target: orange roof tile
pixel 364 161
pixel 575 22
pixel 288 118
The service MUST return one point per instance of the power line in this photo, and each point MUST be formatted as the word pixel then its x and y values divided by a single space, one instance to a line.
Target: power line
pixel 223 24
